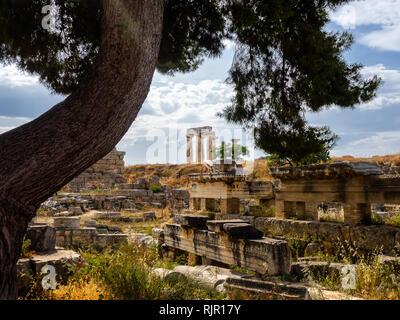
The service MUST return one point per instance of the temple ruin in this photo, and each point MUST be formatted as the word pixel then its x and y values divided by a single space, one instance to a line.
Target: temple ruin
pixel 201 134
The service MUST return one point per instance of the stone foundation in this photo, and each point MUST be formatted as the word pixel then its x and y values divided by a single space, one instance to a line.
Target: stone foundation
pixel 229 246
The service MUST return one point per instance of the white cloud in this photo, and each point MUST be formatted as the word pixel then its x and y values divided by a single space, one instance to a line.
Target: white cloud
pixel 387 38
pixel 389 93
pixel 11 76
pixel 380 143
pixel 382 13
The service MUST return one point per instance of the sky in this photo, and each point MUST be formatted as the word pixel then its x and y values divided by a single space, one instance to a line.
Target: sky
pixel 177 103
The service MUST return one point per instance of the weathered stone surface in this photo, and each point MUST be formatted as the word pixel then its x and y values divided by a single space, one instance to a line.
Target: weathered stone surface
pixel 308 268
pixel 210 275
pixel 75 211
pixel 158 233
pixel 83 237
pixel 265 256
pixel 149 216
pixel 43 238
pixel 144 240
pixel 275 290
pixel 107 215
pixel 392 262
pixel 189 220
pixel 114 229
pixel 242 231
pixel 364 237
pixel 61 260
pixel 90 224
pixel 67 222
pixel 217 225
pixel 105 240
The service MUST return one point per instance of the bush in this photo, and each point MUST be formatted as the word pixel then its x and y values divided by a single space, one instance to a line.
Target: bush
pixel 126 274
pixel 156 189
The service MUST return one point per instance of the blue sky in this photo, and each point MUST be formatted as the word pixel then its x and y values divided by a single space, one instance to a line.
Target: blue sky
pixel 190 100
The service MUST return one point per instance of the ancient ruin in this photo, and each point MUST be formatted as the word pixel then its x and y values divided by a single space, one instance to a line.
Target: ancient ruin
pixel 104 174
pixel 200 134
pixel 228 242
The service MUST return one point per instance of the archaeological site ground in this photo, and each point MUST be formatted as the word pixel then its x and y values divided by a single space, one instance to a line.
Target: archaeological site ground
pixel 199 158
pixel 210 231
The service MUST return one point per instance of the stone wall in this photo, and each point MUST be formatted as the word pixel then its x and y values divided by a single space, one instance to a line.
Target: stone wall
pixel 228 242
pixel 105 173
pixel 386 238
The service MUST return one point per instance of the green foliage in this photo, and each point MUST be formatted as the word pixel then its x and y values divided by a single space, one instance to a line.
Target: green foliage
pixel 155 188
pixel 126 273
pixel 229 151
pixel 286 63
pixel 26 252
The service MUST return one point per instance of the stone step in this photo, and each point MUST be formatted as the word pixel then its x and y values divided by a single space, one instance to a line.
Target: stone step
pixel 279 290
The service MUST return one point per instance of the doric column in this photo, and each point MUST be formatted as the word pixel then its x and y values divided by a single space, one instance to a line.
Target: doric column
pixel 199 147
pixel 210 147
pixel 189 149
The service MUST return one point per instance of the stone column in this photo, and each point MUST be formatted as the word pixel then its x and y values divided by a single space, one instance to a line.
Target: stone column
pixel 199 148
pixel 189 149
pixel 210 147
pixel 357 213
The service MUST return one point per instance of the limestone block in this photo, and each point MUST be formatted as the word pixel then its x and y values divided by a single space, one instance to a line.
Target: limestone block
pixel 188 220
pixel 149 216
pixel 265 256
pixel 274 289
pixel 60 259
pixel 105 240
pixel 43 238
pixel 158 233
pixel 217 225
pixel 67 222
pixel 242 231
pixel 83 237
pixel 107 215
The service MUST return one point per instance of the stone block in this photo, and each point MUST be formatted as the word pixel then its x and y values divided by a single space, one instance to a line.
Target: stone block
pixel 194 221
pixel 217 225
pixel 83 237
pixel 43 238
pixel 67 222
pixel 106 240
pixel 61 260
pixel 149 216
pixel 242 231
pixel 75 211
pixel 265 256
pixel 274 290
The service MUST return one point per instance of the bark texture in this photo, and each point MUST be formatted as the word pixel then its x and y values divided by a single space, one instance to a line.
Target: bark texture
pixel 40 157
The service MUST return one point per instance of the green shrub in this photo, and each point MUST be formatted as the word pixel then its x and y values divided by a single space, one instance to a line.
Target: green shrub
pixel 156 189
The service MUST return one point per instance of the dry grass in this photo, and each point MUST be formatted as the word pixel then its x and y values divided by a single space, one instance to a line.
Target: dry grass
pixel 173 175
pixel 393 159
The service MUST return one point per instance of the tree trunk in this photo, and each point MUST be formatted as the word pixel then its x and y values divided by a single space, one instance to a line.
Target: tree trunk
pixel 40 157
